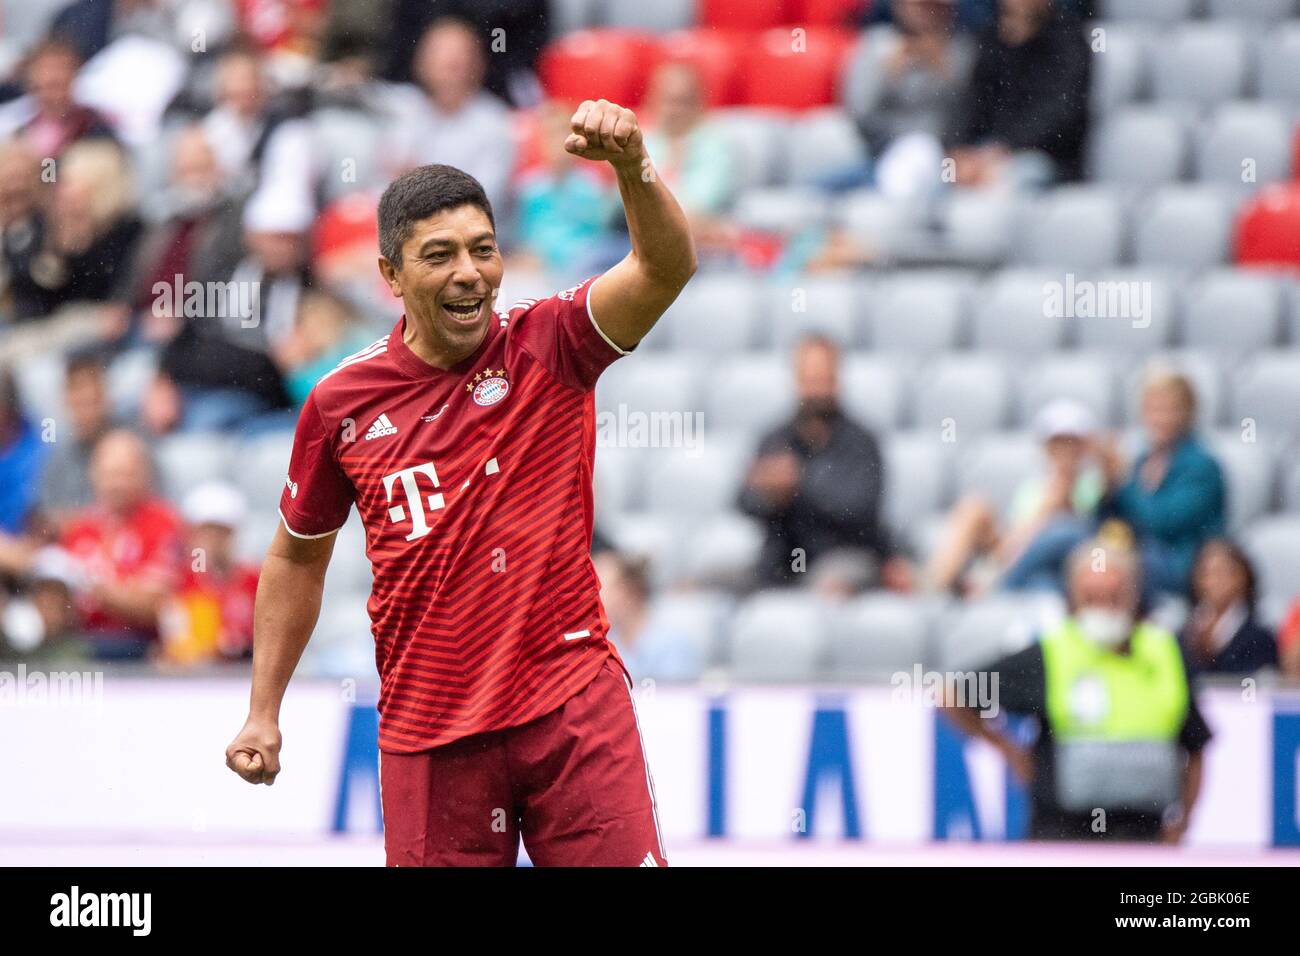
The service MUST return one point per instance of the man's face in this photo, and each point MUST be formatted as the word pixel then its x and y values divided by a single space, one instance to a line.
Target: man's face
pixel 86 397
pixel 1164 414
pixel 1110 589
pixel 49 80
pixel 816 377
pixel 1020 20
pixel 119 472
pixel 449 64
pixel 450 272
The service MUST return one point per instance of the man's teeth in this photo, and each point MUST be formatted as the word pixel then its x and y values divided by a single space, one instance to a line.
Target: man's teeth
pixel 465 306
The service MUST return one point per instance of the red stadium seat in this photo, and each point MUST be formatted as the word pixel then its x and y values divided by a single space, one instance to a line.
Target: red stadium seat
pixel 598 64
pixel 715 56
pixel 829 13
pixel 1268 228
pixel 793 70
pixel 745 14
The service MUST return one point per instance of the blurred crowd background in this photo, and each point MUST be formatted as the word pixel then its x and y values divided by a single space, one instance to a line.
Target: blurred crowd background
pixel 915 390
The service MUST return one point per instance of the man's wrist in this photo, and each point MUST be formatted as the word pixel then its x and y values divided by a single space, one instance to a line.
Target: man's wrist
pixel 633 166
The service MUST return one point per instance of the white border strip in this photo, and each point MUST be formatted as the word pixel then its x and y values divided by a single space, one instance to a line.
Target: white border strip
pixel 608 340
pixel 305 537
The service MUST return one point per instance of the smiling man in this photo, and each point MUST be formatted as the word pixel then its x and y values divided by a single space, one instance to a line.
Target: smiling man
pixel 465 438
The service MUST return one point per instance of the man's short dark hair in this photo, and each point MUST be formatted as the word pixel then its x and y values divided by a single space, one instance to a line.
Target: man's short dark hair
pixel 419 194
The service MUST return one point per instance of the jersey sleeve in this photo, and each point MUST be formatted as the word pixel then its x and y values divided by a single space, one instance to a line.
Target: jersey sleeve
pixel 316 495
pixel 562 334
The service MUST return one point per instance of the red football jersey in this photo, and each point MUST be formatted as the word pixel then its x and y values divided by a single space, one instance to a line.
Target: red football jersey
pixel 474 486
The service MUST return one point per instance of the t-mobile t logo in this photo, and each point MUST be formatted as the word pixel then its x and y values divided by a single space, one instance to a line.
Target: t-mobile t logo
pixel 415 502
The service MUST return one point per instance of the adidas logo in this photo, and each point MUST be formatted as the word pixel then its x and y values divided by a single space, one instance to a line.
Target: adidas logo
pixel 649 860
pixel 381 427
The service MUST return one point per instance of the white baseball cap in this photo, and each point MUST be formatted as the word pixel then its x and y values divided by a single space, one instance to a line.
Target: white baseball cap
pixel 1064 418
pixel 214 502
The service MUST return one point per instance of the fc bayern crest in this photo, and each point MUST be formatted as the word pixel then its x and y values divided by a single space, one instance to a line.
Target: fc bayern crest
pixel 490 390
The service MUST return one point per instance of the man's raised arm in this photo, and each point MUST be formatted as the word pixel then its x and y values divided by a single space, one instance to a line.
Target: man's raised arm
pixel 628 299
pixel 284 615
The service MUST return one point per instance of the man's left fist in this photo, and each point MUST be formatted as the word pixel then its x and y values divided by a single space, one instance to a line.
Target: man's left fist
pixel 605 132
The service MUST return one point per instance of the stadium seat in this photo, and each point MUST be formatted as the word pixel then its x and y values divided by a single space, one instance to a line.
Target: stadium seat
pixel 778 636
pixel 657 539
pixel 1279 64
pixel 569 16
pixel 696 481
pixel 827 13
pixel 794 71
pixel 1245 143
pixel 995 465
pixel 918 467
pixel 723 549
pixel 1267 231
pixel 717 312
pixel 263 467
pixel 759 138
pixel 781 209
pixel 976 633
pixel 129 375
pixel 595 64
pixel 698 615
pixel 826 305
pixel 873 388
pixel 969 390
pixel 877 222
pixel 39 380
pixel 1009 313
pixel 1267 391
pixel 918 312
pixel 1290 493
pixel 1120 75
pixel 1075 227
pixel 662 15
pixel 981 225
pixel 342 645
pixel 1139 146
pixel 715 57
pixel 653 383
pixel 1183 227
pixel 753 392
pixel 349 148
pixel 185 461
pixel 1274 545
pixel 877 635
pixel 1249 470
pixel 1201 368
pixel 824 144
pixel 1267 10
pixel 1160 11
pixel 1085 377
pixel 1200 63
pixel 749 15
pixel 1232 312
pixel 619 477
pixel 349 568
pixel 1137 316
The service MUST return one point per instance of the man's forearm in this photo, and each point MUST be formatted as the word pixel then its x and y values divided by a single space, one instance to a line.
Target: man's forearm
pixel 285 613
pixel 656 225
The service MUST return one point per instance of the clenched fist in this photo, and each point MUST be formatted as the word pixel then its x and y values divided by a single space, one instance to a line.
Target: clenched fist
pixel 605 132
pixel 255 753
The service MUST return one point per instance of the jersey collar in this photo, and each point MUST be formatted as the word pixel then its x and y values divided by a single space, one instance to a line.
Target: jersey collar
pixel 413 365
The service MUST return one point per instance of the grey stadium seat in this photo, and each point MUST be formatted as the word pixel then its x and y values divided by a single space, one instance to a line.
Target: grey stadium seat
pixel 752 392
pixel 878 635
pixel 804 304
pixel 1279 64
pixel 263 468
pixel 1240 132
pixel 719 313
pixel 655 538
pixel 1274 545
pixel 662 15
pixel 1120 76
pixel 698 615
pixel 651 383
pixel 696 481
pixel 1008 313
pixel 723 550
pixel 1200 367
pixel 877 222
pixel 981 225
pixel 917 312
pixel 759 142
pixel 1158 11
pixel 1268 10
pixel 567 16
pixel 1291 483
pixel 1267 390
pixel 1232 311
pixel 1249 470
pixel 969 389
pixel 1085 377
pixel 778 636
pixel 823 144
pixel 1074 227
pixel 1142 146
pixel 976 633
pixel 918 473
pixel 873 388
pixel 994 466
pixel 781 209
pixel 39 380
pixel 1134 313
pixel 619 475
pixel 1183 227
pixel 187 460
pixel 1200 63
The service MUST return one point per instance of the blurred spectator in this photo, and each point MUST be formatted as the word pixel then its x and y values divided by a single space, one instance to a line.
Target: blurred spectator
pixel 57 120
pixel 566 206
pixel 1025 115
pixel 287 32
pixel 65 480
pixel 238 121
pixel 40 626
pixel 22 453
pixel 1120 735
pixel 650 648
pixel 80 248
pixel 1222 635
pixel 20 183
pixel 211 615
pixel 1173 496
pixel 1049 512
pixel 127 546
pixel 692 154
pixel 454 120
pixel 326 332
pixel 903 91
pixel 275 270
pixel 817 482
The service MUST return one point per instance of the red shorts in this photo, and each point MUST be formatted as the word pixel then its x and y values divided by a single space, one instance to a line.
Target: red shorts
pixel 573 784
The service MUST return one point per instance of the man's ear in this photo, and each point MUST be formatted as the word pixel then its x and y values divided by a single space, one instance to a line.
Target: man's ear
pixel 389 272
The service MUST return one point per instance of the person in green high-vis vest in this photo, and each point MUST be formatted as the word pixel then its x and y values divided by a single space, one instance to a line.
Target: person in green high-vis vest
pixel 1120 739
